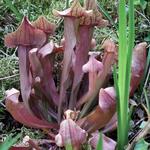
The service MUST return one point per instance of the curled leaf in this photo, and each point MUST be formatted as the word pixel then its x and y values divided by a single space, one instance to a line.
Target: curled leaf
pixel 98 78
pixel 43 87
pixel 138 65
pixel 107 98
pixel 70 134
pixel 110 52
pixel 43 24
pixel 102 114
pixel 70 114
pixel 25 35
pixel 21 114
pixel 25 38
pixel 95 18
pixel 46 54
pixel 94 68
pixel 35 64
pixel 76 10
pixel 93 65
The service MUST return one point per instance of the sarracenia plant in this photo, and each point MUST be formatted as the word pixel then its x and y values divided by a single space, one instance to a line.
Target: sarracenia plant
pixel 67 98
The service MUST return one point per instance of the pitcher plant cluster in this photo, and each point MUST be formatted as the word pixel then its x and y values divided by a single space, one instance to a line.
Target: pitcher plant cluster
pixel 70 99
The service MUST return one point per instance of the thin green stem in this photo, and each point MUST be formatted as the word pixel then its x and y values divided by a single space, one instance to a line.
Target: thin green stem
pixel 67 4
pixel 100 142
pixel 147 100
pixel 117 97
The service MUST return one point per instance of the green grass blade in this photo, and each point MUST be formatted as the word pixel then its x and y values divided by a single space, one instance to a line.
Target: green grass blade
pixel 124 72
pixel 115 77
pixel 130 43
pixel 147 64
pixel 9 142
pixel 9 4
pixel 131 39
pixel 147 100
pixel 101 8
pixel 116 88
pixel 122 50
pixel 122 118
pixel 100 142
pixel 117 98
pixel 67 4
